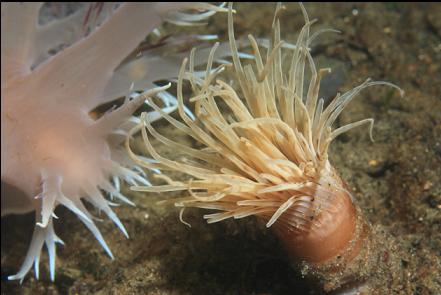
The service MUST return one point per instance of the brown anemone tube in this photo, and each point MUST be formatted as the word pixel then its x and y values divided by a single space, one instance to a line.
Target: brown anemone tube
pixel 337 247
pixel 321 241
pixel 330 243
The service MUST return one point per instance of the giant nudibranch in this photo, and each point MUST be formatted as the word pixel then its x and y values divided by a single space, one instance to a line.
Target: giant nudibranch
pixel 266 155
pixel 52 151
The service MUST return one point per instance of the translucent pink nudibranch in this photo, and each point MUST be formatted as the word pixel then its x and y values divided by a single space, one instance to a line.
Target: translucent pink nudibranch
pixel 52 151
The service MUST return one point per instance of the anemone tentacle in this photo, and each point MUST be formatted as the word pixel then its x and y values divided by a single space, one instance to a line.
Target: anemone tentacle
pixel 267 154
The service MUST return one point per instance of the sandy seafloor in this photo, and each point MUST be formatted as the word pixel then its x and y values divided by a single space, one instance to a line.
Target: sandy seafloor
pixel 396 179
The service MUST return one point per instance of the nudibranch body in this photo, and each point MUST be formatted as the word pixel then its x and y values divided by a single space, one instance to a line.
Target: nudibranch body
pixel 265 149
pixel 52 151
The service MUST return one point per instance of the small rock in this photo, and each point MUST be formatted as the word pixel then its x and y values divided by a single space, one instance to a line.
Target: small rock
pixel 433 16
pixel 427 185
pixel 377 168
pixel 432 202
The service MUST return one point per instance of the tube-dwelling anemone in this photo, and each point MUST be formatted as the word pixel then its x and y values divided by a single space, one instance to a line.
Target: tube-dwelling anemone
pixel 268 155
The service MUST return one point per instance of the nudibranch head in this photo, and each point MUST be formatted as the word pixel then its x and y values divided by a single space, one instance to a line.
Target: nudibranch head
pixel 267 155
